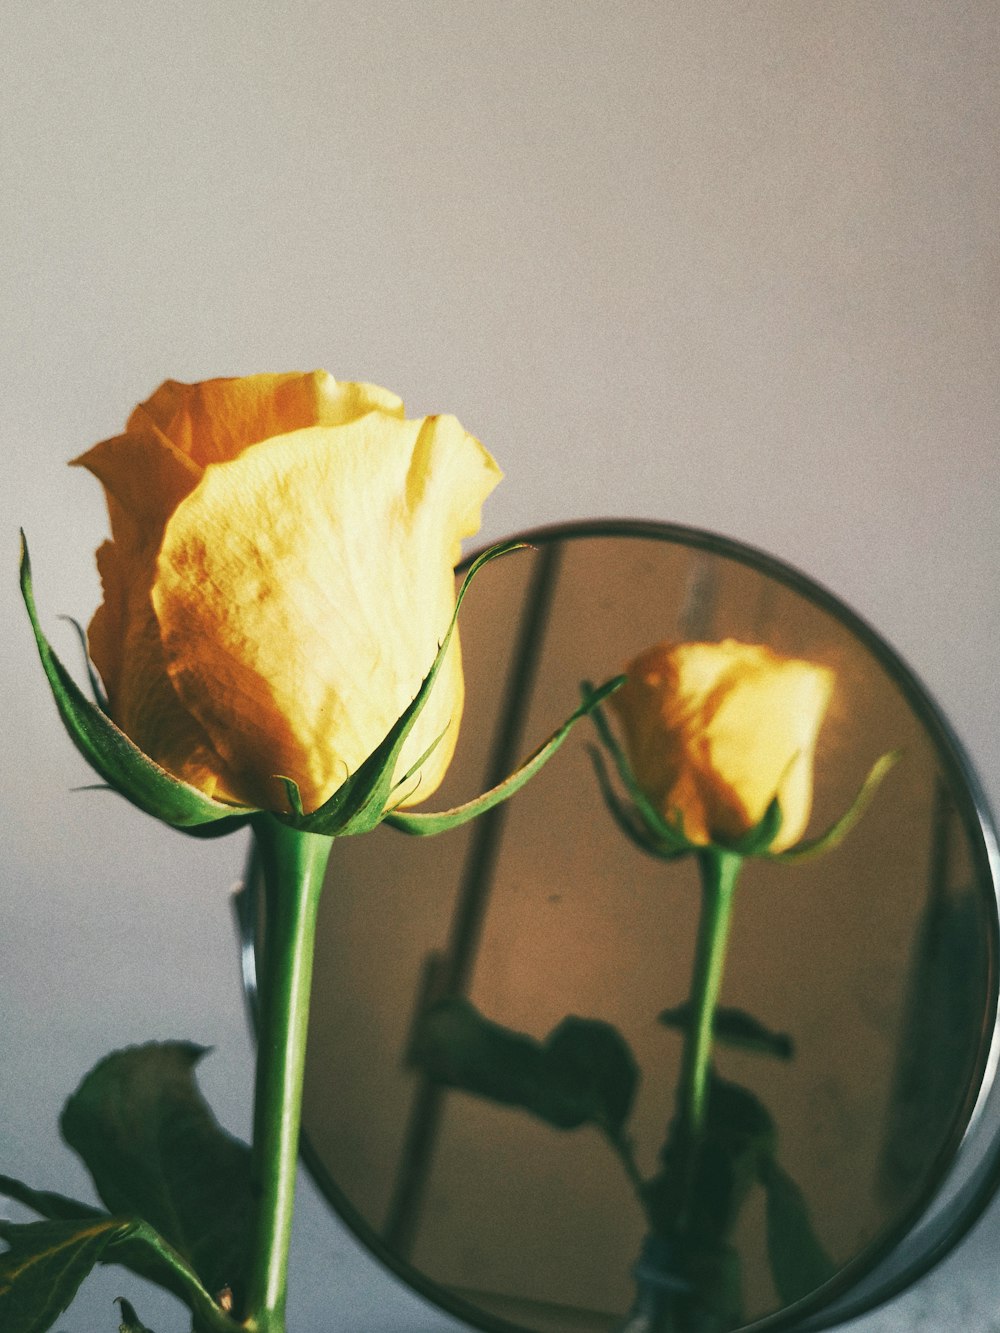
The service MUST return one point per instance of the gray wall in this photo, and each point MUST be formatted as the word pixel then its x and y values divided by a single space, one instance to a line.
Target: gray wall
pixel 724 263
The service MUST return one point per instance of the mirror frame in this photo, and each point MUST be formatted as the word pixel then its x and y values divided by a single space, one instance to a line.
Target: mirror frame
pixel 872 1278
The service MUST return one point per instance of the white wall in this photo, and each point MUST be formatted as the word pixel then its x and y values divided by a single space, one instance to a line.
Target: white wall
pixel 725 263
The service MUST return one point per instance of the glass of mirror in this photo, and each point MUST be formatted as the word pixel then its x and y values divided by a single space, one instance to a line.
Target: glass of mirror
pixel 873 968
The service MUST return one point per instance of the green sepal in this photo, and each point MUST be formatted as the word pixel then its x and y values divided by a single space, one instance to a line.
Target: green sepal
pixel 625 816
pixel 100 698
pixel 660 838
pixel 755 841
pixel 156 1152
pixel 419 762
pixel 838 831
pixel 120 762
pixel 736 1029
pixel 421 825
pixel 359 804
pixel 583 1073
pixel 292 795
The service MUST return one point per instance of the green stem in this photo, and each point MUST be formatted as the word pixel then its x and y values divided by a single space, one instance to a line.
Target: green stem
pixel 719 874
pixel 660 1309
pixel 294 864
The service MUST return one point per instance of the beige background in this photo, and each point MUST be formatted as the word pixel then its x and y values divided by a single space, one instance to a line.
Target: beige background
pixel 725 263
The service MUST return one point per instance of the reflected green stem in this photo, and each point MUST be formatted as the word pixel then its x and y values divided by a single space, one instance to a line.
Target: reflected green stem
pixel 294 864
pixel 719 874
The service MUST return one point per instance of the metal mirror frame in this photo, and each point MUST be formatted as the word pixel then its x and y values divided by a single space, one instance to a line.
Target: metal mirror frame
pixel 951 1204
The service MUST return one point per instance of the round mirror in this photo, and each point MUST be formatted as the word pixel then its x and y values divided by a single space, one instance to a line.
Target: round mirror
pixel 455 977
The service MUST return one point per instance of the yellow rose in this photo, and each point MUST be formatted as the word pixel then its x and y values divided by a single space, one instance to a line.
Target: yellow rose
pixel 717 731
pixel 279 579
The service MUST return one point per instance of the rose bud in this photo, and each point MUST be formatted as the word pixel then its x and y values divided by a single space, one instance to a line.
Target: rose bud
pixel 279 578
pixel 717 732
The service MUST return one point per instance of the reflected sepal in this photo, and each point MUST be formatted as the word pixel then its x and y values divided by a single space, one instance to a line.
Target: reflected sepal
pixel 628 821
pixel 757 840
pixel 650 830
pixel 838 831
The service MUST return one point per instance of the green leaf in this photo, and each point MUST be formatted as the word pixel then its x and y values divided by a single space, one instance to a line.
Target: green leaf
pixel 110 752
pixel 715 1302
pixel 422 825
pixel 838 831
pixel 799 1263
pixel 737 1137
pixel 583 1073
pixel 139 1248
pixel 154 1150
pixel 698 1195
pixel 593 1059
pixel 734 1028
pixel 359 804
pixel 143 1251
pixel 737 1150
pixel 55 1207
pixel 44 1265
pixel 131 1323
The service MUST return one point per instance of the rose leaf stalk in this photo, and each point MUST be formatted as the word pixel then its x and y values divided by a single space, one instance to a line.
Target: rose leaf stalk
pixel 294 863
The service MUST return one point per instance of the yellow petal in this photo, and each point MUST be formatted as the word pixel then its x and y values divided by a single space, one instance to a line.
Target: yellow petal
pixel 145 478
pixel 171 437
pixel 146 473
pixel 760 732
pixel 124 641
pixel 214 421
pixel 302 590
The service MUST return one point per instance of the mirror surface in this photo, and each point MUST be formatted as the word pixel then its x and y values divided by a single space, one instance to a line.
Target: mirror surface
pixel 876 961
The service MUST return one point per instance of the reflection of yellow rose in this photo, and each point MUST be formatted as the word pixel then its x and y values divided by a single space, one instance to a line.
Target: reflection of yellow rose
pixel 279 579
pixel 716 731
